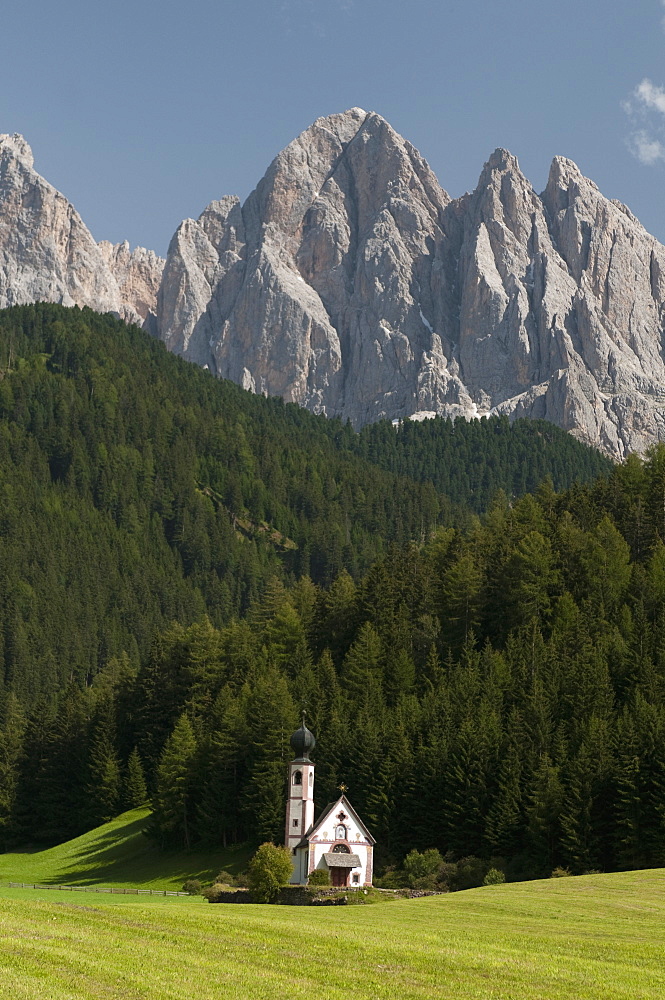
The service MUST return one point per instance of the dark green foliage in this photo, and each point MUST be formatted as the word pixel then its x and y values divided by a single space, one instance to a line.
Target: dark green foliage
pixel 421 870
pixel 136 489
pixel 320 876
pixel 470 461
pixel 134 792
pixel 491 688
pixel 172 816
pixel 192 886
pixel 269 870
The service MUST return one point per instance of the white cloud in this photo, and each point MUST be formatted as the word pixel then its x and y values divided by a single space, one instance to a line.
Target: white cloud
pixel 651 96
pixel 646 148
pixel 646 112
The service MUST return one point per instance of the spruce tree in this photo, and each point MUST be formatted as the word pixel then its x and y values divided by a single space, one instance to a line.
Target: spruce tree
pixel 134 791
pixel 171 823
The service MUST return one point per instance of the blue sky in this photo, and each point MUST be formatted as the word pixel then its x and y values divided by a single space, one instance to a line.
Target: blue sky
pixel 143 112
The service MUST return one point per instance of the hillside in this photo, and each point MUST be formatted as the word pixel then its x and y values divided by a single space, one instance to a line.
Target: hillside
pixel 119 854
pixel 595 937
pixel 160 626
pixel 136 489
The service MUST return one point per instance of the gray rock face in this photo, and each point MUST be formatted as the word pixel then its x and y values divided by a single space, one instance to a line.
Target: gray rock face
pixel 48 254
pixel 350 283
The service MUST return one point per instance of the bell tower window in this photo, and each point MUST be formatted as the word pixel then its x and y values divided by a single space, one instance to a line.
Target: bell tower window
pixel 297 777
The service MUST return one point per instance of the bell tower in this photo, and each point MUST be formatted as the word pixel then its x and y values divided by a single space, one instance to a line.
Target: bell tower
pixel 300 796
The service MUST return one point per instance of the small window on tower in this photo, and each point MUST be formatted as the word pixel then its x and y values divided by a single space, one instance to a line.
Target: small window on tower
pixel 311 777
pixel 297 777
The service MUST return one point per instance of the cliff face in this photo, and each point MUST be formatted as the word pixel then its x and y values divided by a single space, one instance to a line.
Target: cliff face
pixel 48 254
pixel 311 290
pixel 350 282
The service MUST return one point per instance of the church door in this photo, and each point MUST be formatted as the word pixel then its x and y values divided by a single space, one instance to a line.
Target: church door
pixel 339 877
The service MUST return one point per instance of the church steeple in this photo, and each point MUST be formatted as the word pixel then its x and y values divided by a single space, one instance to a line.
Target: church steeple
pixel 300 798
pixel 302 742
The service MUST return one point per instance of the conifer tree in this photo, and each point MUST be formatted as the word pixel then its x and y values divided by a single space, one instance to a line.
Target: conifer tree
pixel 545 802
pixel 103 792
pixel 171 822
pixel 270 719
pixel 134 792
pixel 12 732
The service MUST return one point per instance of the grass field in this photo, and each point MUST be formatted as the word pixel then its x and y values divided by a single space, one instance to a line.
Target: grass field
pixel 118 854
pixel 597 936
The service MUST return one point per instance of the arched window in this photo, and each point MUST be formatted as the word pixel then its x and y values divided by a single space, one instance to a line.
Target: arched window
pixel 311 778
pixel 297 777
pixel 340 849
pixel 340 832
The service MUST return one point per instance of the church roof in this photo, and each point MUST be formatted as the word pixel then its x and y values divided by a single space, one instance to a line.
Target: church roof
pixel 342 860
pixel 343 802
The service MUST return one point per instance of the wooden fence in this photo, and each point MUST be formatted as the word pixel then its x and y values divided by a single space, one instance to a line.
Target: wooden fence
pixel 88 888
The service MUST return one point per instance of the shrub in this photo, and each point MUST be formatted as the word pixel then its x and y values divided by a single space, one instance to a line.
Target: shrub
pixel 320 876
pixel 422 869
pixel 225 878
pixel 192 886
pixel 213 892
pixel 269 870
pixel 470 873
pixel 494 877
pixel 392 878
pixel 561 873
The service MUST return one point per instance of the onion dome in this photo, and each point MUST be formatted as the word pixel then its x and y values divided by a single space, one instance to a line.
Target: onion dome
pixel 302 742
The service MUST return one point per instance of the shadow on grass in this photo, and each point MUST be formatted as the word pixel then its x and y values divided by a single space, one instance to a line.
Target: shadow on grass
pixel 133 858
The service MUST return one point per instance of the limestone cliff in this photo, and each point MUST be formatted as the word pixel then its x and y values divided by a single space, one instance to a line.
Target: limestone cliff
pixel 349 282
pixel 48 254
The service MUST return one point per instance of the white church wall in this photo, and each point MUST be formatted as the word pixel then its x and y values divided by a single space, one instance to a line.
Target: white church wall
pixel 320 847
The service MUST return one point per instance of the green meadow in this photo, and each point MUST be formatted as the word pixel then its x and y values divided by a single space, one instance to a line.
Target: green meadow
pixel 595 936
pixel 118 854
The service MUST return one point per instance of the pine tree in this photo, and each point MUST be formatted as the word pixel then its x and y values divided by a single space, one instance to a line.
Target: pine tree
pixel 504 828
pixel 11 750
pixel 103 793
pixel 543 816
pixel 171 823
pixel 363 665
pixel 134 792
pixel 270 719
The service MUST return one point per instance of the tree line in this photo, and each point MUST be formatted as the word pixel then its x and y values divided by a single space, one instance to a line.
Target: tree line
pixel 136 490
pixel 495 690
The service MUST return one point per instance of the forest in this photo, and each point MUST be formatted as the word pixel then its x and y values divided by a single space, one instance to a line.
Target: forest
pixel 185 567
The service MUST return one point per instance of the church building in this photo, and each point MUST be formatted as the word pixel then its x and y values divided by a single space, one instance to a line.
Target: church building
pixel 338 840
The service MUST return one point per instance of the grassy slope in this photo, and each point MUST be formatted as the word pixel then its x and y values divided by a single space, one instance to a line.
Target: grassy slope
pixel 590 937
pixel 118 854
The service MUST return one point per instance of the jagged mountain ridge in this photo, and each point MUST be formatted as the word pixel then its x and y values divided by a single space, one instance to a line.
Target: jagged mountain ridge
pixel 48 254
pixel 351 283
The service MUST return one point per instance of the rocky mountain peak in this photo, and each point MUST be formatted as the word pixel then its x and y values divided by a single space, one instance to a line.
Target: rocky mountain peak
pixel 349 282
pixel 48 254
pixel 15 147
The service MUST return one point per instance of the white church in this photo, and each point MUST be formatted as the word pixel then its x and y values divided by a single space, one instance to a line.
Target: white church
pixel 338 841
